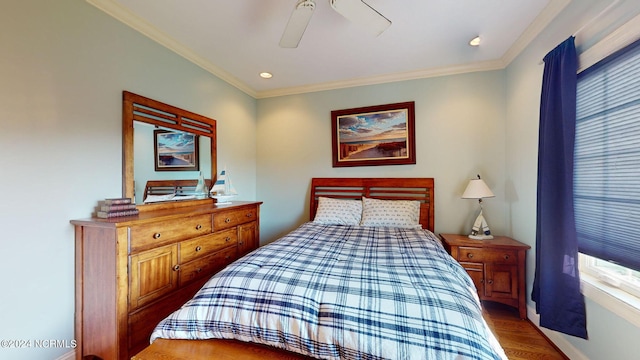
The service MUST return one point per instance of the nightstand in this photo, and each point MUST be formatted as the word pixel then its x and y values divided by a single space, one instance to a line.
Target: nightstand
pixel 497 267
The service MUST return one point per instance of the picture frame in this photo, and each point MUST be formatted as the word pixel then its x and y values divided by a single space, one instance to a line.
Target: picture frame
pixel 374 135
pixel 175 151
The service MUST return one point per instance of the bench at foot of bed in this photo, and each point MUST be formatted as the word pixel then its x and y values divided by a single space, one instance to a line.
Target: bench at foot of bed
pixel 212 349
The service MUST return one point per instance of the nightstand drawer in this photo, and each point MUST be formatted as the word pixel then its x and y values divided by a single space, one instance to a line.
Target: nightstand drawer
pixel 501 256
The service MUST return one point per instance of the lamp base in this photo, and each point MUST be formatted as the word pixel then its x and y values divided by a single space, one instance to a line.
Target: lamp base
pixel 481 237
pixel 476 234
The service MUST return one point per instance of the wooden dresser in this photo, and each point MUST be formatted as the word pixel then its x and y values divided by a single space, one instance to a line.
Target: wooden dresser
pixel 132 272
pixel 496 266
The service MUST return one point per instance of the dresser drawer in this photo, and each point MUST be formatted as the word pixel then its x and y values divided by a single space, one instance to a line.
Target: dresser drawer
pixel 153 234
pixel 206 266
pixel 227 219
pixel 205 245
pixel 501 256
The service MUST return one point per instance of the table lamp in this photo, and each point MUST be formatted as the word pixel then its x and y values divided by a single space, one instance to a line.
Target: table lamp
pixel 477 189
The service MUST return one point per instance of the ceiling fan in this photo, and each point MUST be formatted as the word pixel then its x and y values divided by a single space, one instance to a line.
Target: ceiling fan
pixel 356 11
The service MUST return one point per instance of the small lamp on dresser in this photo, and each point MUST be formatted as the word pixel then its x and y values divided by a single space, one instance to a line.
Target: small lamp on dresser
pixel 478 189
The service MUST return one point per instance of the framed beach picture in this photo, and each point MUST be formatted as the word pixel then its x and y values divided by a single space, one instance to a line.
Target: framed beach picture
pixel 175 151
pixel 374 135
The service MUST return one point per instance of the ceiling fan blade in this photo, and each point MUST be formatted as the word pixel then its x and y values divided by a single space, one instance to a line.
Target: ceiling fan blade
pixel 297 24
pixel 357 11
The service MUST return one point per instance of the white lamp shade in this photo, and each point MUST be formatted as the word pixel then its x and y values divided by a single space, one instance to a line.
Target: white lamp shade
pixel 477 189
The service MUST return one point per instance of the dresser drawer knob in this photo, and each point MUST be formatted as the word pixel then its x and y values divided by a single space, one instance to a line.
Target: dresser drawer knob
pixel 198 227
pixel 490 282
pixel 227 220
pixel 227 257
pixel 156 236
pixel 176 267
pixel 470 255
pixel 227 239
pixel 198 248
pixel 198 270
pixel 249 215
pixel 240 243
pixel 506 257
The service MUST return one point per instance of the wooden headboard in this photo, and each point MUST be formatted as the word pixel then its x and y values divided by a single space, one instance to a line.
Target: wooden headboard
pixel 178 187
pixel 420 189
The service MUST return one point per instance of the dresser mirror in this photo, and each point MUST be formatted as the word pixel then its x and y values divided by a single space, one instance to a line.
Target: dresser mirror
pixel 142 118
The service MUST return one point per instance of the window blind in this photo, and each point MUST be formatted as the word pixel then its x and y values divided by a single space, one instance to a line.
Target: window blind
pixel 607 159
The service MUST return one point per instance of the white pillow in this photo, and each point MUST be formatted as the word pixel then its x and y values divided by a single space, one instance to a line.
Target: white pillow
pixel 338 211
pixel 391 213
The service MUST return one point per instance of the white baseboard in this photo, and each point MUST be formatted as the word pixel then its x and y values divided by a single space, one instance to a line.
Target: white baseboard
pixel 557 338
pixel 71 355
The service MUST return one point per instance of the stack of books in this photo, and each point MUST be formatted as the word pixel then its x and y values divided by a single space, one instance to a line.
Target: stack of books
pixel 116 207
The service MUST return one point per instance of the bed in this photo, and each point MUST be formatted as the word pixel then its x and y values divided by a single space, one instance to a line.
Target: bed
pixel 365 278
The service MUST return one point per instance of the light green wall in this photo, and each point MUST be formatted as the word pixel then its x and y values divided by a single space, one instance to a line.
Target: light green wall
pixel 459 133
pixel 63 67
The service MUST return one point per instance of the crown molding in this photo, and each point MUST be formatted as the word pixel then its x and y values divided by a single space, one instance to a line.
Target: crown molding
pixel 619 38
pixel 122 14
pixel 145 28
pixel 553 8
pixel 382 79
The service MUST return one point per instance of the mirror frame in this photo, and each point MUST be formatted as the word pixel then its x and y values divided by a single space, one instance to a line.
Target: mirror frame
pixel 139 108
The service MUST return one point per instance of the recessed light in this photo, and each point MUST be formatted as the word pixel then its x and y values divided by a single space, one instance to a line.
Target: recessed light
pixel 475 41
pixel 266 75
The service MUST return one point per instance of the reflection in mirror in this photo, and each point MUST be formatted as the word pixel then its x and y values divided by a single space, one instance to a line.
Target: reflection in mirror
pixel 144 159
pixel 138 147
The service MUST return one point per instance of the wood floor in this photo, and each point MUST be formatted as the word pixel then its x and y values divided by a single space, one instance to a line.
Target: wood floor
pixel 520 339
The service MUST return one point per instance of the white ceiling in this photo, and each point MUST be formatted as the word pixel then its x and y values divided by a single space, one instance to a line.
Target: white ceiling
pixel 238 39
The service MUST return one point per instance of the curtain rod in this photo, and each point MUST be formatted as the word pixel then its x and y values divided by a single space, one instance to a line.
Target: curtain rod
pixel 600 14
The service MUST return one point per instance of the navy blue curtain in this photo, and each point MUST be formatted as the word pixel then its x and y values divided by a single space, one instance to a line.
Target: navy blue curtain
pixel 556 287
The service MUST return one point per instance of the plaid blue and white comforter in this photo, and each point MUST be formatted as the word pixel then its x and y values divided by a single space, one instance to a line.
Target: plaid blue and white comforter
pixel 343 292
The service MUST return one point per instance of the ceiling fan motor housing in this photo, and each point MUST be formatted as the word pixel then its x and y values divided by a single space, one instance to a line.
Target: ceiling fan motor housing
pixel 310 4
pixel 357 11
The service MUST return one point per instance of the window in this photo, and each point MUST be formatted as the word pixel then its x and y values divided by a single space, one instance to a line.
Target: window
pixel 607 169
pixel 612 274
